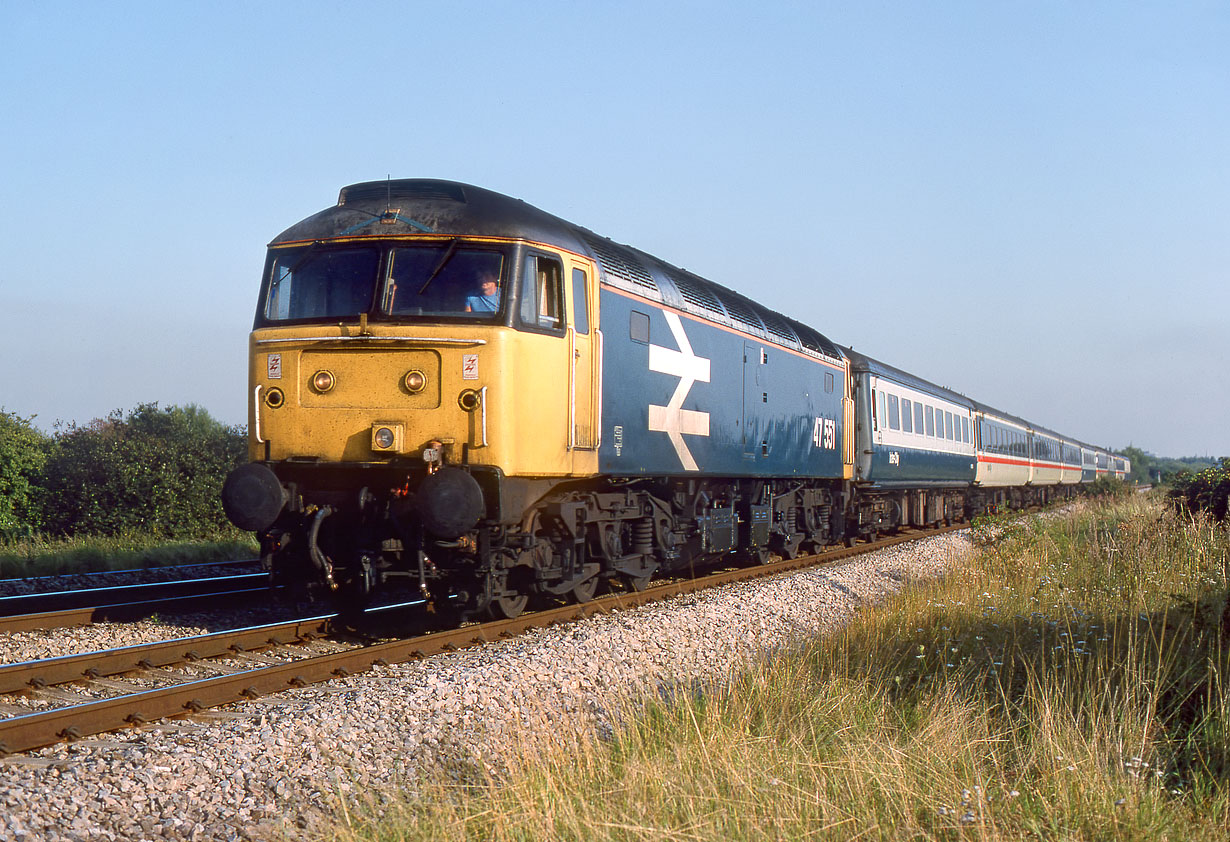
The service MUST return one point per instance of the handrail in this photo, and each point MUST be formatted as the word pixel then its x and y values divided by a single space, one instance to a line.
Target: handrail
pixel 256 410
pixel 427 340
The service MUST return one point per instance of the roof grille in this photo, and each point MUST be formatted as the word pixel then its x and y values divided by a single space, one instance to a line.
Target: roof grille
pixel 778 328
pixel 402 189
pixel 742 312
pixel 620 263
pixel 696 294
pixel 813 340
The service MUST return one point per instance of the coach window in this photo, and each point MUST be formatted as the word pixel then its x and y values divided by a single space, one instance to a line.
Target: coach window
pixel 948 425
pixel 930 421
pixel 894 416
pixel 580 301
pixel 907 417
pixel 918 418
pixel 541 288
pixel 881 415
pixel 965 429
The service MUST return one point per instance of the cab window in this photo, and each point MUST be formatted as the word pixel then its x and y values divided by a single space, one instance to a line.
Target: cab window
pixel 444 280
pixel 326 284
pixel 580 301
pixel 541 293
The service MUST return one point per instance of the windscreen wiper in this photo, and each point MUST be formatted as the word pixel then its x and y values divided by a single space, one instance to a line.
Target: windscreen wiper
pixel 444 258
pixel 302 258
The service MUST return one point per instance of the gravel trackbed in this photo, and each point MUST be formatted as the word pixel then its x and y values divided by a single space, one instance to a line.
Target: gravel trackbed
pixel 264 769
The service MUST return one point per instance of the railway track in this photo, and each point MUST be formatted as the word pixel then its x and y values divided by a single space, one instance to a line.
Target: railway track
pixel 270 666
pixel 61 609
pixel 54 582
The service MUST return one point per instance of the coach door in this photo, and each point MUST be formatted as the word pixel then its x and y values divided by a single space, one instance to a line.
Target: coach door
pixel 584 386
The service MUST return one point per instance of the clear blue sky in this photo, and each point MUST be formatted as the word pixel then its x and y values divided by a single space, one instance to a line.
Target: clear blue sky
pixel 1028 202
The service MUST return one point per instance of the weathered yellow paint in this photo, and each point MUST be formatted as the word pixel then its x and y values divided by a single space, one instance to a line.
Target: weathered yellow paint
pixel 527 399
pixel 585 382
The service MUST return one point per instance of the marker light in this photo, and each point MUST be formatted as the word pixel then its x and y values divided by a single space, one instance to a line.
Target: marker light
pixel 322 381
pixel 274 398
pixel 416 381
pixel 468 400
pixel 384 438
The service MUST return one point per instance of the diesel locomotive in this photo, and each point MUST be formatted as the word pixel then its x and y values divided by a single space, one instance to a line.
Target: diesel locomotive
pixel 453 389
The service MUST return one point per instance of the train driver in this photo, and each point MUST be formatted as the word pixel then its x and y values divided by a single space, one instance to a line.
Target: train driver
pixel 488 301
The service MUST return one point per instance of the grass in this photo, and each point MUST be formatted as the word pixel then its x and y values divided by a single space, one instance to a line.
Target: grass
pixel 40 556
pixel 1069 683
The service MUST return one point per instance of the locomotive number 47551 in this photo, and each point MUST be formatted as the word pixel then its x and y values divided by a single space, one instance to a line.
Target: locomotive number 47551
pixel 824 433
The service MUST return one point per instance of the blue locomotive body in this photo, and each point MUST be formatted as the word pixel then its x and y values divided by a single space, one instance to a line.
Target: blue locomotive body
pixel 685 396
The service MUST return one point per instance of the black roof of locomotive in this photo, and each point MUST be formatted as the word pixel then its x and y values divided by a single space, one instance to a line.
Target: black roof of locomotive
pixel 428 207
pixel 421 206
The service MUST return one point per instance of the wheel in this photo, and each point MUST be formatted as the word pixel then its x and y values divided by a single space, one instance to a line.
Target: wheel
pixel 507 606
pixel 636 583
pixel 762 555
pixel 584 590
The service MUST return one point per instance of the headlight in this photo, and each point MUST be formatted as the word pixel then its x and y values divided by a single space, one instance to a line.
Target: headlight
pixel 274 398
pixel 416 381
pixel 322 381
pixel 468 400
pixel 384 438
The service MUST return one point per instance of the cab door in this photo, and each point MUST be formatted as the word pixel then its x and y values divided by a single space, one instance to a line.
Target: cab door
pixel 585 346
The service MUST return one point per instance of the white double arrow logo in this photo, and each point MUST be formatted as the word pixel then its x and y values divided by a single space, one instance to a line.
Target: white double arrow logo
pixel 672 419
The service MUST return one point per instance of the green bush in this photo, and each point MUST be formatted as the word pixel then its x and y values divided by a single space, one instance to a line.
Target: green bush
pixel 1205 491
pixel 23 451
pixel 155 472
pixel 1106 488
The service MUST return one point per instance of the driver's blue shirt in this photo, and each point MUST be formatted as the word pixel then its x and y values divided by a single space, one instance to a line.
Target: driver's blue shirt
pixel 483 303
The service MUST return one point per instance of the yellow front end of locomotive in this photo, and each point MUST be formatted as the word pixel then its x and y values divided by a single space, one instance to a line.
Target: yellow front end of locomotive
pixel 478 395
